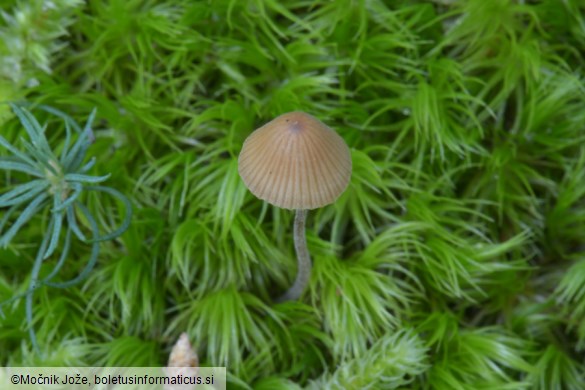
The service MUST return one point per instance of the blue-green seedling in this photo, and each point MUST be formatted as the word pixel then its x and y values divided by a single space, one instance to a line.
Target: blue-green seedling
pixel 56 185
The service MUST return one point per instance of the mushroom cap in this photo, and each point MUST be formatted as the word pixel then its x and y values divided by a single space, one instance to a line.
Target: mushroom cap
pixel 295 162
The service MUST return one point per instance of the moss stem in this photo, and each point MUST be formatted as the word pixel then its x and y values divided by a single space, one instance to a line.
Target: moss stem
pixel 303 259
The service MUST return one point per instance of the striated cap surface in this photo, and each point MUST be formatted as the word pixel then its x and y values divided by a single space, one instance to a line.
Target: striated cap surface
pixel 295 162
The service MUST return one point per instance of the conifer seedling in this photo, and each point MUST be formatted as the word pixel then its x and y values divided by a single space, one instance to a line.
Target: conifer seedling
pixel 58 181
pixel 298 163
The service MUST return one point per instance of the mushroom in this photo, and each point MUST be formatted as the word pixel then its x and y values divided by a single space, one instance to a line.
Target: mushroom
pixel 183 361
pixel 298 163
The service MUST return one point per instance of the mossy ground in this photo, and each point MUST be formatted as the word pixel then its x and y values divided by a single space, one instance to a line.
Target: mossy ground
pixel 455 259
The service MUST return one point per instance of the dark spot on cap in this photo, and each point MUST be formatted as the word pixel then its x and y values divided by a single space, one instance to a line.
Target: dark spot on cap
pixel 296 126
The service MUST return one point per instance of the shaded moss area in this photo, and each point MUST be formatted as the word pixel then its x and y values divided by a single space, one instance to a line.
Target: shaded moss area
pixel 454 260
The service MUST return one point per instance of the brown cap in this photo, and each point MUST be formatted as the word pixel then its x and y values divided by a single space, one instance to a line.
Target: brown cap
pixel 295 162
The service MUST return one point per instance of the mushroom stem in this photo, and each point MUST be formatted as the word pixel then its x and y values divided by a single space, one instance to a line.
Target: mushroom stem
pixel 303 259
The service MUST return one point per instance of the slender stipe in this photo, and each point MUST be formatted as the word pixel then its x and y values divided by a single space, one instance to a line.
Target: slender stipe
pixel 303 259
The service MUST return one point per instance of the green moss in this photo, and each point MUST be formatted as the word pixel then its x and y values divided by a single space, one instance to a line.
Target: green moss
pixel 454 260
